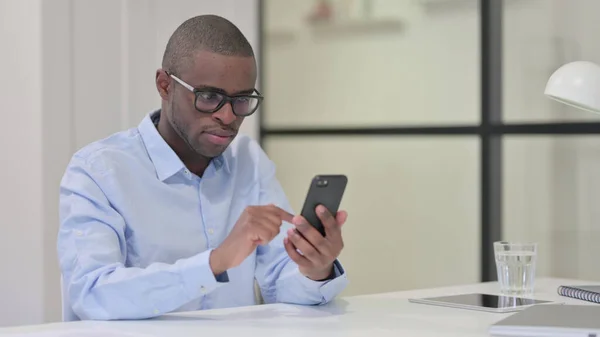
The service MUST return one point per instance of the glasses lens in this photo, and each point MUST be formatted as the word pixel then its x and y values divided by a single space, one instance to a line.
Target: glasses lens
pixel 207 100
pixel 245 105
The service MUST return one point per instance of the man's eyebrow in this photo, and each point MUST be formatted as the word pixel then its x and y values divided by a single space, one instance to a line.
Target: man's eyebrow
pixel 245 92
pixel 222 91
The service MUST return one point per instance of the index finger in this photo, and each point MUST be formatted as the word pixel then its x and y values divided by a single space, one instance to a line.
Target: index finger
pixel 283 214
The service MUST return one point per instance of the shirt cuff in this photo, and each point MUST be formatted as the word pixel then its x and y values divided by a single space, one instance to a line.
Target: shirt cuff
pixel 197 276
pixel 328 289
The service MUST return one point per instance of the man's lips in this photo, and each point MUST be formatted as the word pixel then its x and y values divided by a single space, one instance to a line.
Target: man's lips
pixel 219 137
pixel 221 133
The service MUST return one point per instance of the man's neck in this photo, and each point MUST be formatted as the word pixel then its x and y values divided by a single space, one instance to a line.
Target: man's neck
pixel 193 161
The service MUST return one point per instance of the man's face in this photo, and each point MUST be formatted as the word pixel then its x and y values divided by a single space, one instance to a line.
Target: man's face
pixel 209 134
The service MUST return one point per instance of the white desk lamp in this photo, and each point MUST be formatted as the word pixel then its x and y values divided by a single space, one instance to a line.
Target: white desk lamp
pixel 576 84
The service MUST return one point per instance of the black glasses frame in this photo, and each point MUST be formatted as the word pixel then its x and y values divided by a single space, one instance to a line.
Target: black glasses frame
pixel 226 98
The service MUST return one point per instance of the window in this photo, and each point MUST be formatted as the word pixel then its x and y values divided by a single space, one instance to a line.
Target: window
pixel 435 111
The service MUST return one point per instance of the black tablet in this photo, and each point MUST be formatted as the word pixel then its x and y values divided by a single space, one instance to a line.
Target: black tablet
pixel 483 302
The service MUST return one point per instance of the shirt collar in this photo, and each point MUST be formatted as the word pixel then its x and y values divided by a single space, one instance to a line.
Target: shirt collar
pixel 222 162
pixel 165 160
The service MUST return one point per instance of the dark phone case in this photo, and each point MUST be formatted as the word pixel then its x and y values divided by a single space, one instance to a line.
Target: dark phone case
pixel 328 195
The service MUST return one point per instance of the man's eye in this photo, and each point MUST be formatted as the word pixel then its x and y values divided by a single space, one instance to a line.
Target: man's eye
pixel 209 96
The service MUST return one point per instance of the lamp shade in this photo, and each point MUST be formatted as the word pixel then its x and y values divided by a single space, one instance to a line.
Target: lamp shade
pixel 576 84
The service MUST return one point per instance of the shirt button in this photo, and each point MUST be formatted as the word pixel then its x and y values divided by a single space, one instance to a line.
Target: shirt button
pixel 202 289
pixel 79 233
pixel 210 231
pixel 156 312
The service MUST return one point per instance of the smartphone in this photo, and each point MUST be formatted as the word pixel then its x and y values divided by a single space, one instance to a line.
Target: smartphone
pixel 326 190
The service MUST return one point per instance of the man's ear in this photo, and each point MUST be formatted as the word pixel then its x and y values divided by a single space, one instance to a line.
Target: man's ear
pixel 163 84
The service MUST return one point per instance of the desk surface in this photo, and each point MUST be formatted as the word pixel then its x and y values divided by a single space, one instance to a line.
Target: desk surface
pixel 388 314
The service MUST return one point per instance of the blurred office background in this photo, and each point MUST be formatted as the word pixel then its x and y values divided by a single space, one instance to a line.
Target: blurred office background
pixel 434 109
pixel 403 97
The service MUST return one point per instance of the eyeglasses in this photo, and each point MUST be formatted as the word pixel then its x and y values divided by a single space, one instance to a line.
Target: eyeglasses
pixel 209 101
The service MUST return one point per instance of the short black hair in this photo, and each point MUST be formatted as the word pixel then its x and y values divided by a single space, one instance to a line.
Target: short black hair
pixel 204 33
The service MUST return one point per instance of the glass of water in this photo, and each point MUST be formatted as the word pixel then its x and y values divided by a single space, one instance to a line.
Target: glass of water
pixel 515 264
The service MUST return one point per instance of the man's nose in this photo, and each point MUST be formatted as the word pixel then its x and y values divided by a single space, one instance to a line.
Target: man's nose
pixel 225 115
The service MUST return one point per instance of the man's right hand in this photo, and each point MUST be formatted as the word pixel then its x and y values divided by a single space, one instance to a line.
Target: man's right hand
pixel 257 225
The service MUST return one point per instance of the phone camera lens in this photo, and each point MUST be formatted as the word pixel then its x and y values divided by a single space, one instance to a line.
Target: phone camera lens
pixel 322 183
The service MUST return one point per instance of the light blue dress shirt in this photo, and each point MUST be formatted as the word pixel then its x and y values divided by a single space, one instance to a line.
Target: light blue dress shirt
pixel 137 229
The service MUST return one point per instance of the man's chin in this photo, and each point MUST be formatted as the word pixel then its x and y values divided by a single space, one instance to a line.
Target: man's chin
pixel 211 150
pixel 210 147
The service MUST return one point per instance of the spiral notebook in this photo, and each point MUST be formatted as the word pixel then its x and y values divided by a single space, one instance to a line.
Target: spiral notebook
pixel 588 293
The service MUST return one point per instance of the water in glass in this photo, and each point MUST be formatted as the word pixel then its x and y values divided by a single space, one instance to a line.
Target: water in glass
pixel 516 271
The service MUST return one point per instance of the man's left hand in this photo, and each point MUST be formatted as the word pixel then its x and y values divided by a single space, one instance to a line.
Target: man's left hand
pixel 318 252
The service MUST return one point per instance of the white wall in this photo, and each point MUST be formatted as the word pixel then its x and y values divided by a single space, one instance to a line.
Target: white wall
pixel 21 201
pixel 58 136
pixel 70 79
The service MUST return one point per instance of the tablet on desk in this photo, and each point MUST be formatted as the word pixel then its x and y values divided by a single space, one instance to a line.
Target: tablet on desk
pixel 482 302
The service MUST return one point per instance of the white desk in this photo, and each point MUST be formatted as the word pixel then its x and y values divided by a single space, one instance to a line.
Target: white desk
pixel 387 314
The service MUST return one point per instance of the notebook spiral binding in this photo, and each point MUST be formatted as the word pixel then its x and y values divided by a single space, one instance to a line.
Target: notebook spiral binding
pixel 579 294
